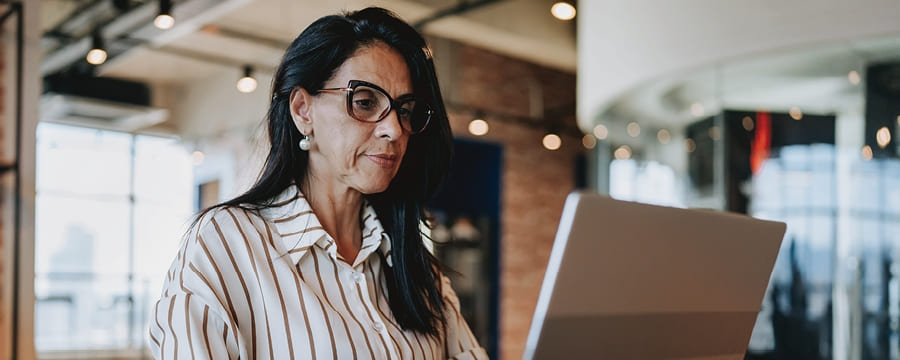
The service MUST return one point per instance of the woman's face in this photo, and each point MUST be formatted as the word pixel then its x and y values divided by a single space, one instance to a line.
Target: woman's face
pixel 347 153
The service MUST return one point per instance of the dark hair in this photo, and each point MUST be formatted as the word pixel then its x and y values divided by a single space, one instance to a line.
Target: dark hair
pixel 414 280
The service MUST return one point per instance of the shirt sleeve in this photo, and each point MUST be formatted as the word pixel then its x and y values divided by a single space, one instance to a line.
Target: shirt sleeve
pixel 190 320
pixel 183 326
pixel 460 342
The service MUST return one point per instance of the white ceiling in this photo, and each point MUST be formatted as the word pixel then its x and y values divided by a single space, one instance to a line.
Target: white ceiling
pixel 256 32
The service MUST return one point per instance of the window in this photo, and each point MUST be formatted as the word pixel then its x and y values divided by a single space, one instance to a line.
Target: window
pixel 111 209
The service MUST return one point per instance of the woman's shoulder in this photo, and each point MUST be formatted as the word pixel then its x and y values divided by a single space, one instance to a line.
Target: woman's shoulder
pixel 227 222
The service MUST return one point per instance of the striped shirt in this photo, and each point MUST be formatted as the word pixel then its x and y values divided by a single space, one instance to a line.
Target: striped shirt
pixel 271 285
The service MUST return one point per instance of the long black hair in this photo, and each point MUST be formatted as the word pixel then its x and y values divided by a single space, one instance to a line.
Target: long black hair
pixel 414 280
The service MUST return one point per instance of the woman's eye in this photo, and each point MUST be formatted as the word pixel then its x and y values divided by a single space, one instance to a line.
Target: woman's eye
pixel 364 103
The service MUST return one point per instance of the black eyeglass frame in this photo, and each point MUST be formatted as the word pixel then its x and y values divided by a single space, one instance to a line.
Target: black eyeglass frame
pixel 393 104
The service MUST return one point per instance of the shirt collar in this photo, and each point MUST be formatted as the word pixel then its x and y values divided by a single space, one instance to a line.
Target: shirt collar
pixel 299 228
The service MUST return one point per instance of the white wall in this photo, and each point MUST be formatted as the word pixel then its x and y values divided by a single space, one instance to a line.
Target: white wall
pixel 226 125
pixel 623 44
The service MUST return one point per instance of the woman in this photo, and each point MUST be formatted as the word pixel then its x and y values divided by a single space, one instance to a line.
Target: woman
pixel 323 256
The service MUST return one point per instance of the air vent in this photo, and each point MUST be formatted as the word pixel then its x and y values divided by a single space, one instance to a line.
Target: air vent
pixel 83 111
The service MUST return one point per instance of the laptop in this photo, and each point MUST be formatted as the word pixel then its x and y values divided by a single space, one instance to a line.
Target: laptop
pixel 636 281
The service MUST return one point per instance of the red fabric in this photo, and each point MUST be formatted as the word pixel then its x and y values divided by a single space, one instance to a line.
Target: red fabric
pixel 762 140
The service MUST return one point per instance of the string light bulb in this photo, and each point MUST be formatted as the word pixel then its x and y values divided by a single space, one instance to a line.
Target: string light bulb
pixel 97 55
pixel 247 84
pixel 164 20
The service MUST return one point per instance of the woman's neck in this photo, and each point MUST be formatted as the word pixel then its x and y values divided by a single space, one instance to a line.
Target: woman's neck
pixel 337 209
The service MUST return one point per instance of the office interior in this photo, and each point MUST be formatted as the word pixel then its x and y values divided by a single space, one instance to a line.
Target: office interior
pixel 118 124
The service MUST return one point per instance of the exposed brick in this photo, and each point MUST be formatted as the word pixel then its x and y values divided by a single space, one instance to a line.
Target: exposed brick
pixel 535 181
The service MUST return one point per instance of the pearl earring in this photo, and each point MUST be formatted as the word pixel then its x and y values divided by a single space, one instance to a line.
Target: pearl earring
pixel 304 143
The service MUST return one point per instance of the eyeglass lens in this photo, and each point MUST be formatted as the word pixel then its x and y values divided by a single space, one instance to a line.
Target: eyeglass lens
pixel 371 104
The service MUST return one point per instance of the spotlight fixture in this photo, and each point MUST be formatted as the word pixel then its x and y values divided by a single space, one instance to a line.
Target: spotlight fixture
pixel 867 153
pixel 197 157
pixel 622 153
pixel 589 141
pixel 795 113
pixel 697 109
pixel 563 11
pixel 747 122
pixel 663 136
pixel 633 129
pixel 552 141
pixel 97 55
pixel 478 127
pixel 247 83
pixel 690 145
pixel 883 137
pixel 853 77
pixel 164 20
pixel 601 132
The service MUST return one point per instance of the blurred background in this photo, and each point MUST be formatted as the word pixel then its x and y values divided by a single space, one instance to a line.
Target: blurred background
pixel 119 119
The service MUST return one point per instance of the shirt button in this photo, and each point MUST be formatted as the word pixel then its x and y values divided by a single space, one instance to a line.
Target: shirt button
pixel 379 326
pixel 357 277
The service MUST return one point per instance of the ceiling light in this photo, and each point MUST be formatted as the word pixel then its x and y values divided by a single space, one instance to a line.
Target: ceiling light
pixel 563 11
pixel 247 83
pixel 197 157
pixel 164 20
pixel 601 132
pixel 898 119
pixel 867 152
pixel 623 153
pixel 478 127
pixel 747 122
pixel 853 76
pixel 97 55
pixel 795 113
pixel 697 109
pixel 714 133
pixel 589 141
pixel 883 137
pixel 663 136
pixel 552 141
pixel 690 145
pixel 633 129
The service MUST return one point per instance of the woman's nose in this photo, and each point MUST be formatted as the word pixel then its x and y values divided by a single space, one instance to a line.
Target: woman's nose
pixel 389 127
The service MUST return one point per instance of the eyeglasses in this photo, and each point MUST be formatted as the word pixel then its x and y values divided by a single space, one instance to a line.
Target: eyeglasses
pixel 367 102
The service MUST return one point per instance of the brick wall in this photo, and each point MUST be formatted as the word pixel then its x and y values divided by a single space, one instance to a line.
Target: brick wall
pixel 508 93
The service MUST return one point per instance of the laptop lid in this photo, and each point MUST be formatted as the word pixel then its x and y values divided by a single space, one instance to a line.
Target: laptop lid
pixel 635 281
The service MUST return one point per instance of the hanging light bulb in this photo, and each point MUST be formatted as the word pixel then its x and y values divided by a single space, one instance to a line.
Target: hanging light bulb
pixel 563 11
pixel 478 127
pixel 164 20
pixel 552 141
pixel 97 55
pixel 247 83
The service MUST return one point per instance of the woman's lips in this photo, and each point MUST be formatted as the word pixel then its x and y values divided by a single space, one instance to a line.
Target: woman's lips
pixel 386 161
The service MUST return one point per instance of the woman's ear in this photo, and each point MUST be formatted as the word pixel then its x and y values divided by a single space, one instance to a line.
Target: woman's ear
pixel 300 103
